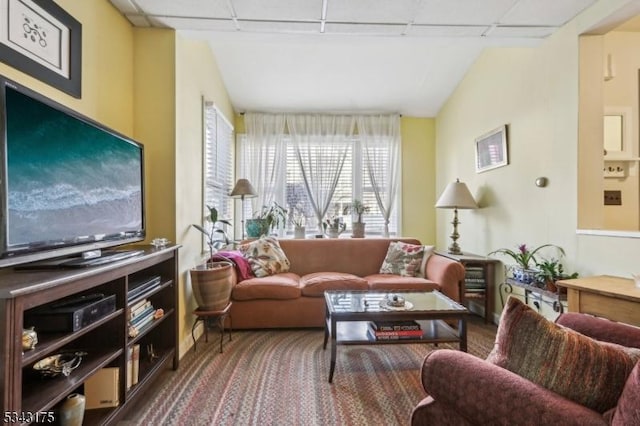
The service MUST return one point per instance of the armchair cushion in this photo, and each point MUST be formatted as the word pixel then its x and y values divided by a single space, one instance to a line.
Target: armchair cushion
pixel 582 369
pixel 628 409
pixel 460 381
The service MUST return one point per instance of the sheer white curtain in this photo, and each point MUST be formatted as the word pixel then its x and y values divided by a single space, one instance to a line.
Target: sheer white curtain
pixel 380 137
pixel 264 154
pixel 321 144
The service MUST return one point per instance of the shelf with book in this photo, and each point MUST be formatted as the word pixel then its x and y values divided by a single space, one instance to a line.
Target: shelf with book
pixel 479 282
pixel 27 294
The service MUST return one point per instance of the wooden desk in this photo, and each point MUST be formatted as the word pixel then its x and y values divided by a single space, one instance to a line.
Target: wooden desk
pixel 615 298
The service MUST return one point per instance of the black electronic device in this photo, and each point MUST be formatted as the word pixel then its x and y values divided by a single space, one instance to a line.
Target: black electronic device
pixel 139 288
pixel 71 314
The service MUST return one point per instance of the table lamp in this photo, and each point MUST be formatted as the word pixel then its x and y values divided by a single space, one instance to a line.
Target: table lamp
pixel 456 196
pixel 243 189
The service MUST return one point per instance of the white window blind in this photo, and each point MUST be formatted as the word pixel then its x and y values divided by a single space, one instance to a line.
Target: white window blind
pixel 218 161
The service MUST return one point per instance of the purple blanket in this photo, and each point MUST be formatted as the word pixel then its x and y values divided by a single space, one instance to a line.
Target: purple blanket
pixel 243 269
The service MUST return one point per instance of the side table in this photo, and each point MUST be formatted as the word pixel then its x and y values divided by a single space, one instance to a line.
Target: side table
pixel 479 280
pixel 206 317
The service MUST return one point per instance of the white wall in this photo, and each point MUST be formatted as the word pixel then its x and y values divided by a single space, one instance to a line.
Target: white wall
pixel 535 92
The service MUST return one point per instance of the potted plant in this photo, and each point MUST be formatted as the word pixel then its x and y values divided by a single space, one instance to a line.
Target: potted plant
pixel 525 259
pixel 212 281
pixel 265 220
pixel 333 227
pixel 298 222
pixel 550 271
pixel 358 208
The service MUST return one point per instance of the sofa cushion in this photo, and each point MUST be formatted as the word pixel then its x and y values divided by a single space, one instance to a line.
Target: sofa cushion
pixel 278 286
pixel 628 410
pixel 402 259
pixel 580 368
pixel 265 256
pixel 397 282
pixel 316 284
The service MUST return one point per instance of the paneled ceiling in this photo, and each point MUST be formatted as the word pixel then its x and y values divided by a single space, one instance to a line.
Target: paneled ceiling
pixel 403 56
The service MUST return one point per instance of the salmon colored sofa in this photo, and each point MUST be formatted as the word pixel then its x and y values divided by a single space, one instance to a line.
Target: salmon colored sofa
pixel 295 299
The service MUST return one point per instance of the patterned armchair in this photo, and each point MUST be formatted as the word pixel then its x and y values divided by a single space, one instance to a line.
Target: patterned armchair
pixel 593 384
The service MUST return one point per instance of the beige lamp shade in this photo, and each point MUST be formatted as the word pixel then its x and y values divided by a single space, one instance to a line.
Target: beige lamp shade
pixel 456 196
pixel 243 189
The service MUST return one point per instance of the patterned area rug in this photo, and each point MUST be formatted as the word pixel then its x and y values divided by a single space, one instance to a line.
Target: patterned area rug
pixel 280 378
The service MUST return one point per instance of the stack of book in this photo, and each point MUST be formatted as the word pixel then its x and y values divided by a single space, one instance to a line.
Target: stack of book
pixel 141 314
pixel 394 330
pixel 474 279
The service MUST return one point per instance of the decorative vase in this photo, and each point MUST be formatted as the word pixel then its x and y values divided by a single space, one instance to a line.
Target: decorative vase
pixel 72 410
pixel 357 229
pixel 299 232
pixel 333 232
pixel 257 228
pixel 212 284
pixel 523 275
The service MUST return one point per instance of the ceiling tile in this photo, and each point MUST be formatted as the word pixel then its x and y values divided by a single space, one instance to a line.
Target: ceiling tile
pixel 194 24
pixel 368 29
pixel 446 30
pixel 462 12
pixel 278 10
pixel 525 32
pixel 544 12
pixel 186 8
pixel 372 11
pixel 280 27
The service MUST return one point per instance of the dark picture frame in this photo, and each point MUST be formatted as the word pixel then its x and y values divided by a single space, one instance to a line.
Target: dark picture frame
pixel 41 39
pixel 491 150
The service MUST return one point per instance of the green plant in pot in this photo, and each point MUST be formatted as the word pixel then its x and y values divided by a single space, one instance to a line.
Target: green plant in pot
pixel 550 271
pixel 358 208
pixel 525 261
pixel 333 227
pixel 298 221
pixel 212 281
pixel 268 218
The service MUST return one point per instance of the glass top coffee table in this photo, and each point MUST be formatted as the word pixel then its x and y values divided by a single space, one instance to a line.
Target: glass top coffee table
pixel 357 317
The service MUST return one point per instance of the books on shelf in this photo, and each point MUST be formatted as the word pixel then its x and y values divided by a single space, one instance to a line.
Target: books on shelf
pixel 133 365
pixel 394 325
pixel 142 287
pixel 395 330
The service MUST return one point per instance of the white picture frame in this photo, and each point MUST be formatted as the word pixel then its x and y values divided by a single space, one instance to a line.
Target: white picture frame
pixel 491 150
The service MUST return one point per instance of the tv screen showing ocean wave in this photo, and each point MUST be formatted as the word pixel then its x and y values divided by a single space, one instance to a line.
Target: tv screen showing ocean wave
pixel 68 180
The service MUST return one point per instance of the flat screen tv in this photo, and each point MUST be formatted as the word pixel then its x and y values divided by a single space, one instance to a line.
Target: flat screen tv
pixel 68 184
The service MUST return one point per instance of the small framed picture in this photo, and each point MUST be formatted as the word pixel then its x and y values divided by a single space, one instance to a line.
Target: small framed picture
pixel 491 150
pixel 41 39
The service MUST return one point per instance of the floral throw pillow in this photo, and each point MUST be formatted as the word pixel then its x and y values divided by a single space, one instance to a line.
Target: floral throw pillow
pixel 265 257
pixel 402 259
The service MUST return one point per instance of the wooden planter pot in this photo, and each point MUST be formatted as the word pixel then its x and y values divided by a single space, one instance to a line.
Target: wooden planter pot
pixel 212 285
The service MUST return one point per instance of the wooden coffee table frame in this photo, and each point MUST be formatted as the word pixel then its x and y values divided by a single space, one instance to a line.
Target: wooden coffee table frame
pixel 350 328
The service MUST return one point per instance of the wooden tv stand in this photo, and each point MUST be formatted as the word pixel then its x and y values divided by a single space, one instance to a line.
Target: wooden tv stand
pixel 106 340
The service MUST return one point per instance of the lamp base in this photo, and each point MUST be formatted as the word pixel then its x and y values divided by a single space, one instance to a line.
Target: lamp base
pixel 454 248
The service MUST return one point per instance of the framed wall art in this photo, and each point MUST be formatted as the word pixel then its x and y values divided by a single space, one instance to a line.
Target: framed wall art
pixel 491 150
pixel 41 39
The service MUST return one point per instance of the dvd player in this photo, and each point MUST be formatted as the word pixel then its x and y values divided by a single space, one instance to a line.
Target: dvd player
pixel 70 314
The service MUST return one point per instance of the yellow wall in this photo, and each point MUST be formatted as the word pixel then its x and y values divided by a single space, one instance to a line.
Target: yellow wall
pixel 197 76
pixel 535 92
pixel 418 178
pixel 107 66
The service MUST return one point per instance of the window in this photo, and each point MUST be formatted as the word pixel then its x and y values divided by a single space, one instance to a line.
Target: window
pixel 354 183
pixel 218 158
